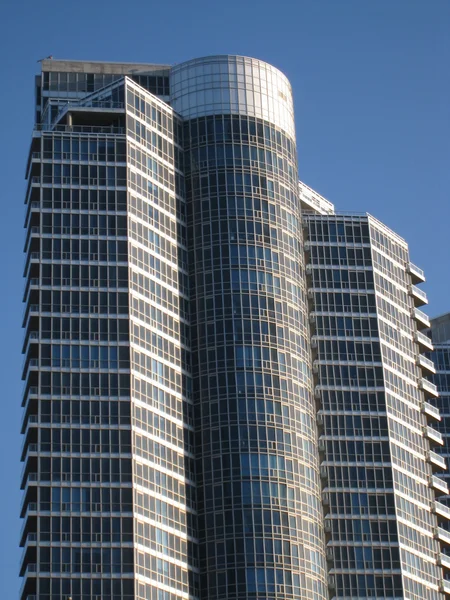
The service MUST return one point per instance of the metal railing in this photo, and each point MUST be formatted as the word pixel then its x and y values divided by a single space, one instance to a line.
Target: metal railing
pixel 426 362
pixel 419 293
pixel 419 314
pixel 423 339
pixel 442 534
pixel 440 484
pixel 416 270
pixel 442 509
pixel 431 410
pixel 434 435
pixel 438 459
pixel 79 128
pixel 427 386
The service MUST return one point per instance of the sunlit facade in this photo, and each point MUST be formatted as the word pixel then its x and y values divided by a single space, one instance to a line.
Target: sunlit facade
pixel 170 440
pixel 379 487
pixel 173 399
pixel 440 335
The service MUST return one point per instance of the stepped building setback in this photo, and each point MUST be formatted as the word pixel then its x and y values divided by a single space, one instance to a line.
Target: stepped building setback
pixel 226 396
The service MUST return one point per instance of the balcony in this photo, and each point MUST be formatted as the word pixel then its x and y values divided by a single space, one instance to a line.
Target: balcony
pixel 431 411
pixel 444 561
pixel 31 393
pixel 31 284
pixel 425 363
pixel 439 485
pixel 442 535
pixel 33 231
pixel 31 450
pixel 30 571
pixel 29 311
pixel 419 296
pixel 422 319
pixel 32 257
pixel 30 428
pixel 417 274
pixel 442 510
pixel 32 364
pixel 32 337
pixel 445 586
pixel 30 209
pixel 437 460
pixel 31 481
pixel 430 389
pixel 29 520
pixel 30 541
pixel 423 341
pixel 434 436
pixel 32 421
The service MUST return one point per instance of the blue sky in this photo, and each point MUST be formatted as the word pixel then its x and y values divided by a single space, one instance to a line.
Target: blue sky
pixel 372 95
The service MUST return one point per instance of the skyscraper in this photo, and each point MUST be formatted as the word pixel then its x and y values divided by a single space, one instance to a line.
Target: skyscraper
pixel 171 446
pixel 378 470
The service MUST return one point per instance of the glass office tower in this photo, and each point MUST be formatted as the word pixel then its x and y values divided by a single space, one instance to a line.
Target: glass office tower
pixel 170 443
pixel 382 519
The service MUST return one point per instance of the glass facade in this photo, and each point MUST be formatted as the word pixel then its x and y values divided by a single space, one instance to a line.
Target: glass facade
pixel 259 510
pixel 440 335
pixel 161 403
pixel 77 476
pixel 173 395
pixel 377 468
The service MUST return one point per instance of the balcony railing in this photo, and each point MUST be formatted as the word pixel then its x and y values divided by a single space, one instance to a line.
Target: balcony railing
pixel 434 435
pixel 424 340
pixel 437 459
pixel 442 509
pixel 442 535
pixel 416 273
pixel 29 208
pixel 33 363
pixel 428 387
pixel 439 484
pixel 30 392
pixel 419 295
pixel 444 561
pixel 426 363
pixel 445 586
pixel 79 129
pixel 33 336
pixel 30 571
pixel 421 317
pixel 431 411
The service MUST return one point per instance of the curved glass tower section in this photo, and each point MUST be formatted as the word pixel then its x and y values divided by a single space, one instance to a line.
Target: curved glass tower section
pixel 259 506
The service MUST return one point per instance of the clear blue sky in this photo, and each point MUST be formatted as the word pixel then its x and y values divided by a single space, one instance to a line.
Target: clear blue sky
pixel 372 93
